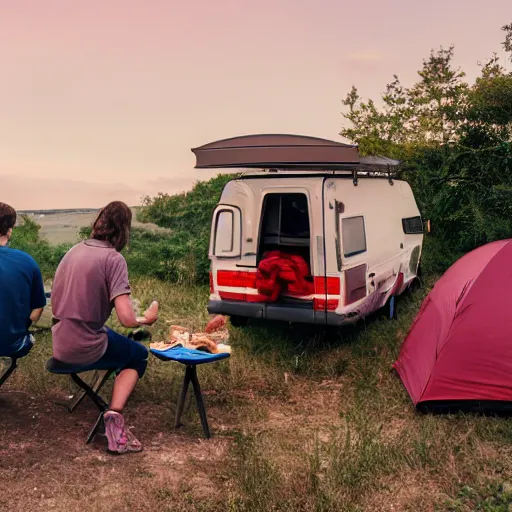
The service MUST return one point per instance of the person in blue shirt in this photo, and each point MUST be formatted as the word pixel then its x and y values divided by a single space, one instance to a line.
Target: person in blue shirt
pixel 22 296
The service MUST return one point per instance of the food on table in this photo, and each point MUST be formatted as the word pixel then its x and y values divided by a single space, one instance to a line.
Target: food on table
pixel 212 341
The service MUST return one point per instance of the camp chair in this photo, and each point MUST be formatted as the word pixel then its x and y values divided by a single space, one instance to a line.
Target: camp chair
pixel 99 377
pixel 10 369
pixel 91 390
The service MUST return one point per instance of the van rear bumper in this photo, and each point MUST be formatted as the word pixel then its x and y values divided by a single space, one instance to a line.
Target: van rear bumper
pixel 278 312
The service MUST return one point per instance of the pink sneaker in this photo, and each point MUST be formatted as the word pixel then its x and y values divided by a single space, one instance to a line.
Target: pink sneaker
pixel 120 439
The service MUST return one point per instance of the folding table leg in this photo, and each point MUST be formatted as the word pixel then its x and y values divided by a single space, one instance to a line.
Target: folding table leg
pixel 199 401
pixel 182 397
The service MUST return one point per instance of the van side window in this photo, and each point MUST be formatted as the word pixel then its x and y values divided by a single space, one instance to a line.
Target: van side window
pixel 224 233
pixel 226 238
pixel 412 225
pixel 353 236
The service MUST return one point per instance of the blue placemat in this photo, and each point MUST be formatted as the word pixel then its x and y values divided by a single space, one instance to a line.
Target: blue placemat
pixel 187 355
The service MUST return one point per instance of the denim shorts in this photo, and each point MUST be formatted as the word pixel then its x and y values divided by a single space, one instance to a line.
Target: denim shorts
pixel 122 353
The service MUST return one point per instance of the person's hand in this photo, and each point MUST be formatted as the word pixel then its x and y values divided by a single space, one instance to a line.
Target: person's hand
pixel 150 315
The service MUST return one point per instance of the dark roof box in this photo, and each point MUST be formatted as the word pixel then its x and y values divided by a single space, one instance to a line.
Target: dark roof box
pixel 284 152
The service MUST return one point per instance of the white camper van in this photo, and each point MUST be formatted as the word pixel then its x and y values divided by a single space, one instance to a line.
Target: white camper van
pixel 355 226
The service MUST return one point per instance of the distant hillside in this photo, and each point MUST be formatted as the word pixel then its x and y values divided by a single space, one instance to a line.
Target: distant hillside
pixel 62 225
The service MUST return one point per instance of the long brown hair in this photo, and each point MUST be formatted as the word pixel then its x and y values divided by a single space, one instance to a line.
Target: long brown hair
pixel 113 225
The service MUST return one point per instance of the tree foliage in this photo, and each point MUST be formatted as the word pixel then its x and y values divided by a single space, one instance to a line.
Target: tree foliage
pixel 454 138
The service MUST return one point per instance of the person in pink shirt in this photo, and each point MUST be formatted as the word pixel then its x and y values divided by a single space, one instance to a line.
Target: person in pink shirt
pixel 91 281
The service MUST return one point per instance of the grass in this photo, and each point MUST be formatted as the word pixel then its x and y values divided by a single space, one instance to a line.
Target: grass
pixel 303 420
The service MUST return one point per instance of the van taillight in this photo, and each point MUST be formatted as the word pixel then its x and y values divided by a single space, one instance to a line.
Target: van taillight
pixel 333 285
pixel 326 286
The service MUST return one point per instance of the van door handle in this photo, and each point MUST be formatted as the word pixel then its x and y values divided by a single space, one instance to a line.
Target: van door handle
pixel 371 276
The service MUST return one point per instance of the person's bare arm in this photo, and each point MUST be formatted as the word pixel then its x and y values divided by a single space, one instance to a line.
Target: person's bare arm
pixel 36 315
pixel 126 314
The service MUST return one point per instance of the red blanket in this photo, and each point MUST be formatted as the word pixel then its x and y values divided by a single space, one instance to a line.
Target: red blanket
pixel 280 272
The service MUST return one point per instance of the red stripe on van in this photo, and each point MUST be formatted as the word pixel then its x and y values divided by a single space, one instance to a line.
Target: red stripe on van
pixel 244 297
pixel 211 283
pixel 233 296
pixel 239 279
pixel 322 304
pixel 235 279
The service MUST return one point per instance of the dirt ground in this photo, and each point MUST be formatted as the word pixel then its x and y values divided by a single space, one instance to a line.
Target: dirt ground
pixel 46 465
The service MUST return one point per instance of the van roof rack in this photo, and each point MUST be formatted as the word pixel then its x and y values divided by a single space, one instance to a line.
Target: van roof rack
pixel 289 152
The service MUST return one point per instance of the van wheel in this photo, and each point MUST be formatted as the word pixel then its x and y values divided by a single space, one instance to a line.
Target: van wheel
pixel 414 286
pixel 238 321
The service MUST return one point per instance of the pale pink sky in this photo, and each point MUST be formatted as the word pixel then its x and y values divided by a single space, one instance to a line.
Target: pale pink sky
pixel 102 100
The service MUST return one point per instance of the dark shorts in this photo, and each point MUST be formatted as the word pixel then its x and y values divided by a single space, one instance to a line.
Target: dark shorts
pixel 122 353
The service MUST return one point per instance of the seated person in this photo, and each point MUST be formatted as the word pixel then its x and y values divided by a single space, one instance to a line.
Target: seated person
pixel 90 281
pixel 22 296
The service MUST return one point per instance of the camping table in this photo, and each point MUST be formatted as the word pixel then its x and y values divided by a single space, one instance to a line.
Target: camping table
pixel 191 359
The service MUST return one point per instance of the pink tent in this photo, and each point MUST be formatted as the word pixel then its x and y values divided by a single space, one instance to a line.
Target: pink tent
pixel 458 353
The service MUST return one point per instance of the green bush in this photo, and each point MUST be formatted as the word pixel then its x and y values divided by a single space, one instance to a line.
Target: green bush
pixel 181 256
pixel 26 238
